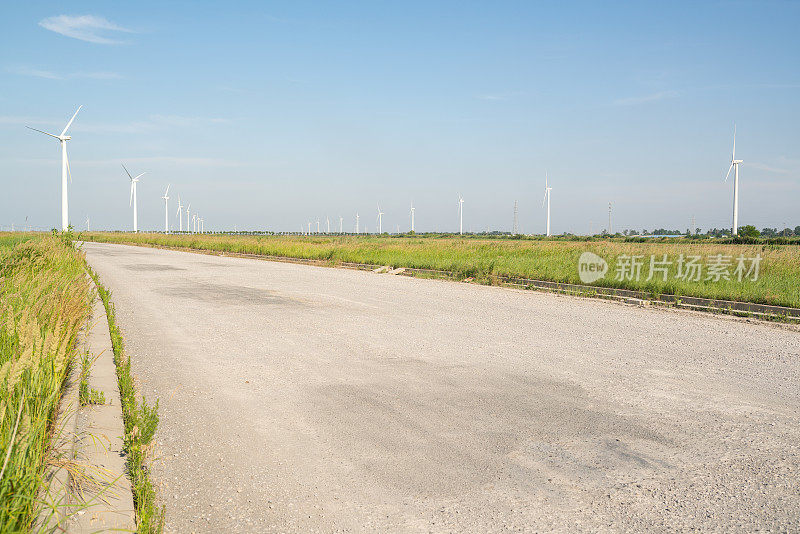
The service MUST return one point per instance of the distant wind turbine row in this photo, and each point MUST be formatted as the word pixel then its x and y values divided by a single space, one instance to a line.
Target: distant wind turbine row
pixel 197 223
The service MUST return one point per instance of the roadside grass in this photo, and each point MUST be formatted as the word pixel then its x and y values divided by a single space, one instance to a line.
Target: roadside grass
pixel 484 259
pixel 44 302
pixel 140 422
pixel 87 395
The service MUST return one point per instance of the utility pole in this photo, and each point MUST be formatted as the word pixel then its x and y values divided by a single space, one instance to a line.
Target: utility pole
pixel 515 230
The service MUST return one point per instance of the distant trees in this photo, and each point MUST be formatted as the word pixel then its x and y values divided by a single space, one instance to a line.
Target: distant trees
pixel 751 231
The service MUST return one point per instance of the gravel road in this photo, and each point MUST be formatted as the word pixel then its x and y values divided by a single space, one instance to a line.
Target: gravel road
pixel 297 398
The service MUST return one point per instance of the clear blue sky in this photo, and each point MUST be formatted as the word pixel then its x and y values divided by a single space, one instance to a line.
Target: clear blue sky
pixel 267 115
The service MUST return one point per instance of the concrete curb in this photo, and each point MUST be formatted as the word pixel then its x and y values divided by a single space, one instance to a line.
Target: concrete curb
pixel 94 491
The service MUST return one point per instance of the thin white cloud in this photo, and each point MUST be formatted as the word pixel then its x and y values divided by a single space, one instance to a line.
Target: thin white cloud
pixel 767 168
pixel 179 161
pixel 153 123
pixel 89 28
pixel 655 97
pixel 50 75
pixel 498 96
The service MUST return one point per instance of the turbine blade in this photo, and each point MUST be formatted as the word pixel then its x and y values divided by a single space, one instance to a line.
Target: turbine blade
pixel 72 119
pixel 545 198
pixel 126 171
pixel 140 176
pixel 42 131
pixel 729 172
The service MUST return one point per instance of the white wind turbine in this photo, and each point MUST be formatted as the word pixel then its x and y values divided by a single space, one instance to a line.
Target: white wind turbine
pixel 546 198
pixel 380 219
pixel 166 210
pixel 413 209
pixel 317 224
pixel 328 222
pixel 188 207
pixel 735 166
pixel 132 202
pixel 460 214
pixel 341 224
pixel 356 222
pixel 180 215
pixel 87 223
pixel 63 138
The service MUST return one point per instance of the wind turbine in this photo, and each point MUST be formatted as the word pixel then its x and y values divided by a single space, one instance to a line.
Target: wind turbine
pixel 735 166
pixel 180 215
pixel 309 227
pixel 546 198
pixel 413 209
pixel 87 223
pixel 132 202
pixel 166 210
pixel 460 214
pixel 328 222
pixel 317 224
pixel 380 219
pixel 341 224
pixel 187 217
pixel 356 222
pixel 63 138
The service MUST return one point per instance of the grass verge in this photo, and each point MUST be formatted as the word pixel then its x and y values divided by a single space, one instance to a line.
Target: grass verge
pixel 44 302
pixel 140 422
pixel 484 259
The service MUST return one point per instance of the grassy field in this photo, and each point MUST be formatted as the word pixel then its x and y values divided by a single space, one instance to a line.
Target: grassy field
pixel 44 301
pixel 778 280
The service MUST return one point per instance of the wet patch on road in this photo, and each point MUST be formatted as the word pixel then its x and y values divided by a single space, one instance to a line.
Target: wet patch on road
pixel 433 430
pixel 148 267
pixel 229 294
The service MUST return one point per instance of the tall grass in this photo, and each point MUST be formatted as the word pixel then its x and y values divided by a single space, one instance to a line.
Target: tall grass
pixel 554 260
pixel 44 301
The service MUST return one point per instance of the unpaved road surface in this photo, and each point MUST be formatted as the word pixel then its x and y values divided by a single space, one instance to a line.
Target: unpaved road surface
pixel 299 399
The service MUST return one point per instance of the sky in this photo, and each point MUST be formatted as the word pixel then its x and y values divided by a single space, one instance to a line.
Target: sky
pixel 268 115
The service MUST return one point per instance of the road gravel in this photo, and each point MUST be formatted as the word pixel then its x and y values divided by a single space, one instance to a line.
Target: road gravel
pixel 298 398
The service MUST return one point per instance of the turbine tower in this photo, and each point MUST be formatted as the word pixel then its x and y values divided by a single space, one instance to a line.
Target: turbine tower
pixel 413 209
pixel 187 216
pixel 341 224
pixel 460 214
pixel 547 190
pixel 609 218
pixel 132 202
pixel 166 210
pixel 180 215
pixel 735 166
pixel 380 219
pixel 328 223
pixel 356 222
pixel 87 223
pixel 63 138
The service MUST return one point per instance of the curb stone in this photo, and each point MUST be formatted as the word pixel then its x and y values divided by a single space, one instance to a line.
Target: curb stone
pixel 101 499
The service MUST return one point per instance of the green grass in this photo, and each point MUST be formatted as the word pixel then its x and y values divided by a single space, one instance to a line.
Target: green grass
pixel 44 301
pixel 485 259
pixel 140 422
pixel 87 395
